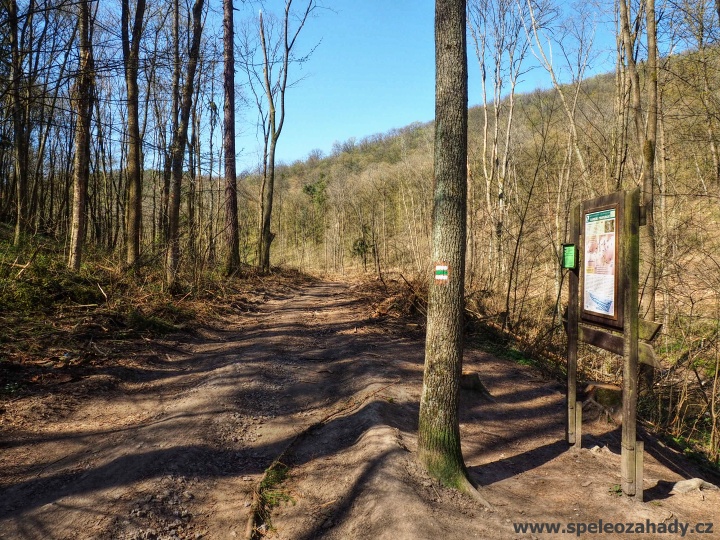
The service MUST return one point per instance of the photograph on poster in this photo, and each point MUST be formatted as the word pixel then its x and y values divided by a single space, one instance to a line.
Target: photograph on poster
pixel 599 267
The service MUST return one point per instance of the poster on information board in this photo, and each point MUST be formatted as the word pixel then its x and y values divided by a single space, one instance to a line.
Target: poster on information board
pixel 600 296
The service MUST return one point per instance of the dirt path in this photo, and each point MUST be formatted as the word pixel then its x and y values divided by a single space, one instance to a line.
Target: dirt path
pixel 176 449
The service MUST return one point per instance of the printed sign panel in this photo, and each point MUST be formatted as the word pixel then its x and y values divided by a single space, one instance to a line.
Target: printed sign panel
pixel 600 257
pixel 601 265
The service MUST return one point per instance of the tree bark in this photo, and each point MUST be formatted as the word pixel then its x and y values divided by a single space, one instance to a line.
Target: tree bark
pixel 19 125
pixel 232 227
pixel 273 134
pixel 648 191
pixel 178 149
pixel 83 100
pixel 646 141
pixel 439 431
pixel 175 114
pixel 131 52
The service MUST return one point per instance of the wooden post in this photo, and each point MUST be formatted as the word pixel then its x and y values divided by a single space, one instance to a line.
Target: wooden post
pixel 578 425
pixel 573 320
pixel 629 276
pixel 639 460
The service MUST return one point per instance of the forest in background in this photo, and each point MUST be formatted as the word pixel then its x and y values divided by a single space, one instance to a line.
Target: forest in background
pixel 367 206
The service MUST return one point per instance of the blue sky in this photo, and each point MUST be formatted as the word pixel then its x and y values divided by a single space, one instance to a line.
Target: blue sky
pixel 373 71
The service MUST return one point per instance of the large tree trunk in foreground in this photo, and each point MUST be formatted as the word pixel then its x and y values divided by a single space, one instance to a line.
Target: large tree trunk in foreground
pixel 439 430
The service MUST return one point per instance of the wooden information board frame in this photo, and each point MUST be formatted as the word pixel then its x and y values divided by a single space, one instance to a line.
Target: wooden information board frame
pixel 616 329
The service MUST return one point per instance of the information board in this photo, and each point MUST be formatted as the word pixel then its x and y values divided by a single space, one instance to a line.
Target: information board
pixel 600 262
pixel 600 265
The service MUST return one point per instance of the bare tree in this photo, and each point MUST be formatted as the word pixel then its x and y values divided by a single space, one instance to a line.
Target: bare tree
pixel 501 46
pixel 648 185
pixel 569 105
pixel 83 106
pixel 20 127
pixel 179 144
pixel 131 53
pixel 276 56
pixel 645 136
pixel 574 38
pixel 232 232
pixel 174 125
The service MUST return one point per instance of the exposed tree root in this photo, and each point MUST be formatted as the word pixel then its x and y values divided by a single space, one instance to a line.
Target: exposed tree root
pixel 472 489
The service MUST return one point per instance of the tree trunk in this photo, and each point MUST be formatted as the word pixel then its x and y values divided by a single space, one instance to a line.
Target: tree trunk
pixel 619 141
pixel 83 100
pixel 645 143
pixel 19 127
pixel 131 52
pixel 232 227
pixel 266 235
pixel 647 240
pixel 178 149
pixel 272 135
pixel 439 431
pixel 275 94
pixel 174 113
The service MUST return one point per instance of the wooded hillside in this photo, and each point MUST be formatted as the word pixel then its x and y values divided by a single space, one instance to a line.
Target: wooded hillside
pixel 368 207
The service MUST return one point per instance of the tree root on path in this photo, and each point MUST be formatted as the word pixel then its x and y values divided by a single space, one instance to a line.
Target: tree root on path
pixel 473 489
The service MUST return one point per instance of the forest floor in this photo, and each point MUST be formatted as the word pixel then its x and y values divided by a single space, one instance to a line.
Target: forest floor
pixel 169 437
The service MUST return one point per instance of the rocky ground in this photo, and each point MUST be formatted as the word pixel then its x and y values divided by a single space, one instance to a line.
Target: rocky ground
pixel 175 444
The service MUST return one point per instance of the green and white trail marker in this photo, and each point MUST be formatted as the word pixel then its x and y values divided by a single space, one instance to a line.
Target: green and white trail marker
pixel 442 272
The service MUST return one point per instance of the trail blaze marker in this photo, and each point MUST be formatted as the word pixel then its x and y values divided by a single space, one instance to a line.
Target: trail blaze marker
pixel 442 272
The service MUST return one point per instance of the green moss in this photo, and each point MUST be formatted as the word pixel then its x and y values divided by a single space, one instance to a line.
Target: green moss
pixel 446 471
pixel 519 357
pixel 440 454
pixel 270 495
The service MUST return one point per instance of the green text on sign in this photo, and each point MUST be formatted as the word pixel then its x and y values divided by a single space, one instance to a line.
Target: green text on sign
pixel 600 216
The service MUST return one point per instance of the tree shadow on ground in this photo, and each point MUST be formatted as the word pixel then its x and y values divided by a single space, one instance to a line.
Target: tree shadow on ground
pixel 341 511
pixel 201 461
pixel 497 471
pixel 659 491
pixel 314 364
pixel 669 458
